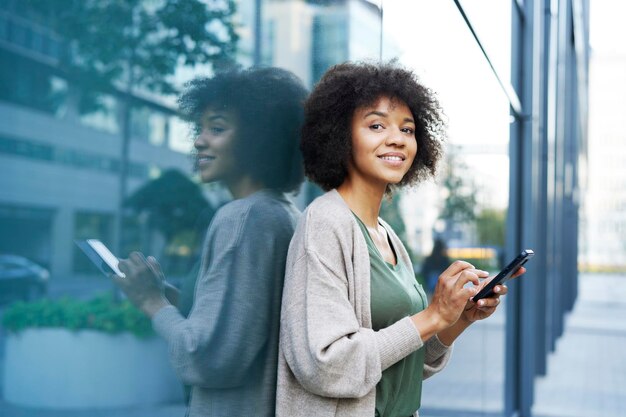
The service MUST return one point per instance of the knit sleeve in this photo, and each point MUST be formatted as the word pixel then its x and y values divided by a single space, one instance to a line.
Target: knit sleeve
pixel 218 345
pixel 437 356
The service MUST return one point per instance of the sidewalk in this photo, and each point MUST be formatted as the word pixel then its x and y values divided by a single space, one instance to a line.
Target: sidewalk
pixel 586 375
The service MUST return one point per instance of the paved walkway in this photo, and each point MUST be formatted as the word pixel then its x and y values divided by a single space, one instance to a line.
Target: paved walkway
pixel 586 375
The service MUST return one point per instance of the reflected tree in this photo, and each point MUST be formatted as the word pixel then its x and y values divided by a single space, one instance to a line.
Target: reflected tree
pixel 459 204
pixel 490 226
pixel 122 47
pixel 175 207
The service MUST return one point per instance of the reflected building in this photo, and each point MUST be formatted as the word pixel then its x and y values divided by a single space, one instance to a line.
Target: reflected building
pixel 309 36
pixel 60 163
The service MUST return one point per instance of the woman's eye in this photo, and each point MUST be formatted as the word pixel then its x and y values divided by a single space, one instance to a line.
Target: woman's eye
pixel 216 130
pixel 408 130
pixel 376 126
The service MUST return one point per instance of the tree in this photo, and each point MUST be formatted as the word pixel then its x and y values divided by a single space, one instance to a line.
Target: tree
pixel 122 46
pixel 173 203
pixel 459 206
pixel 108 44
pixel 490 226
pixel 175 207
pixel 460 202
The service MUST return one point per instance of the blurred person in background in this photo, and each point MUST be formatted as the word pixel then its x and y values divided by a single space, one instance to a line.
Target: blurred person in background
pixel 357 333
pixel 434 263
pixel 247 132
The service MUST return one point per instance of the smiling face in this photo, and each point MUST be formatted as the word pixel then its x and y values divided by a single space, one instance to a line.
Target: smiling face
pixel 383 143
pixel 215 159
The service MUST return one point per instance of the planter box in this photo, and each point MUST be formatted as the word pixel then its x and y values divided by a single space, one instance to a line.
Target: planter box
pixel 57 368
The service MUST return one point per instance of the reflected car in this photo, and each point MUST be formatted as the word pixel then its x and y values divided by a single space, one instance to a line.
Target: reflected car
pixel 21 279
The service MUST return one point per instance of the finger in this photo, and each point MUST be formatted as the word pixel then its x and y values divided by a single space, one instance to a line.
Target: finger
pixel 465 277
pixel 488 302
pixel 137 257
pixel 155 267
pixel 481 273
pixel 501 289
pixel 457 267
pixel 468 293
pixel 519 272
pixel 124 265
pixel 487 310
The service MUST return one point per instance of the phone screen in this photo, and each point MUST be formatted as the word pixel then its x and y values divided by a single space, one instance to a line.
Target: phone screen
pixel 101 256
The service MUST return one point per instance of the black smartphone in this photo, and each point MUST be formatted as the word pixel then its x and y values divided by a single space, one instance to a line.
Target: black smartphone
pixel 505 274
pixel 101 256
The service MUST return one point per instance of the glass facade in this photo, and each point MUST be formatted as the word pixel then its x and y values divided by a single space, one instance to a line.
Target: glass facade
pixel 113 158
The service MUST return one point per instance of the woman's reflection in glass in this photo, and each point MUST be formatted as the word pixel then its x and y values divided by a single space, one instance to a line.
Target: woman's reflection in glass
pixel 248 125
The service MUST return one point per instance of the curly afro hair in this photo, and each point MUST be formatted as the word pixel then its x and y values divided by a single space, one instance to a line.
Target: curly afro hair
pixel 269 104
pixel 326 142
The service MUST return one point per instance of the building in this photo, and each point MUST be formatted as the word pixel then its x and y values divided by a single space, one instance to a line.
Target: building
pixel 59 166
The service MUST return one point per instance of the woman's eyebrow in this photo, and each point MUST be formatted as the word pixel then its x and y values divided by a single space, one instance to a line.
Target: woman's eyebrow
pixel 216 117
pixel 383 114
pixel 375 113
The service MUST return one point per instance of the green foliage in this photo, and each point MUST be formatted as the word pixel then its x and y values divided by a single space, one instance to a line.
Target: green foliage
pixel 460 203
pixel 138 42
pixel 173 202
pixel 100 313
pixel 490 225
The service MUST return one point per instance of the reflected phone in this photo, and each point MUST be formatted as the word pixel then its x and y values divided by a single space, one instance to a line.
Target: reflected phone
pixel 101 256
pixel 504 275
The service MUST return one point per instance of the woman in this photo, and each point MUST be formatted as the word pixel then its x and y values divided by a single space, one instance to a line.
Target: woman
pixel 248 125
pixel 357 336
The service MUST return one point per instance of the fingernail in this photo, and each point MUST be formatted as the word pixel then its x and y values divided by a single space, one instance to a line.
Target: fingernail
pixel 496 289
pixel 481 302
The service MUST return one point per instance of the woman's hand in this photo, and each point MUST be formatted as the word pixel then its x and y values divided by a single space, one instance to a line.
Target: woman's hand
pixel 144 282
pixel 449 299
pixel 451 293
pixel 485 307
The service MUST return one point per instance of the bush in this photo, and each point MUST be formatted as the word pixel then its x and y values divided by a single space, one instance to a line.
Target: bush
pixel 100 313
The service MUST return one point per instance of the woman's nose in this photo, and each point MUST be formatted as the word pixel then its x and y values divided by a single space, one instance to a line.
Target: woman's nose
pixel 200 142
pixel 396 137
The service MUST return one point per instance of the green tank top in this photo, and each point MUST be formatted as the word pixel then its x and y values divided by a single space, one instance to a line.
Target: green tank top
pixel 395 294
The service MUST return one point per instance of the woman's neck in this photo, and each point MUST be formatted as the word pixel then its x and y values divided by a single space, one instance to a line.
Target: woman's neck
pixel 364 199
pixel 243 186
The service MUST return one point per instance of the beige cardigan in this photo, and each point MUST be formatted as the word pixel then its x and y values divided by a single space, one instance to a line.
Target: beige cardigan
pixel 330 359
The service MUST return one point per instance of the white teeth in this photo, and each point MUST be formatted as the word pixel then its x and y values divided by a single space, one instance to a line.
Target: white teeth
pixel 392 158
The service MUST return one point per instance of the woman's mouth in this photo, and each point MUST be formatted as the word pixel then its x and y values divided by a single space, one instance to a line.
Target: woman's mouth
pixel 394 160
pixel 204 159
